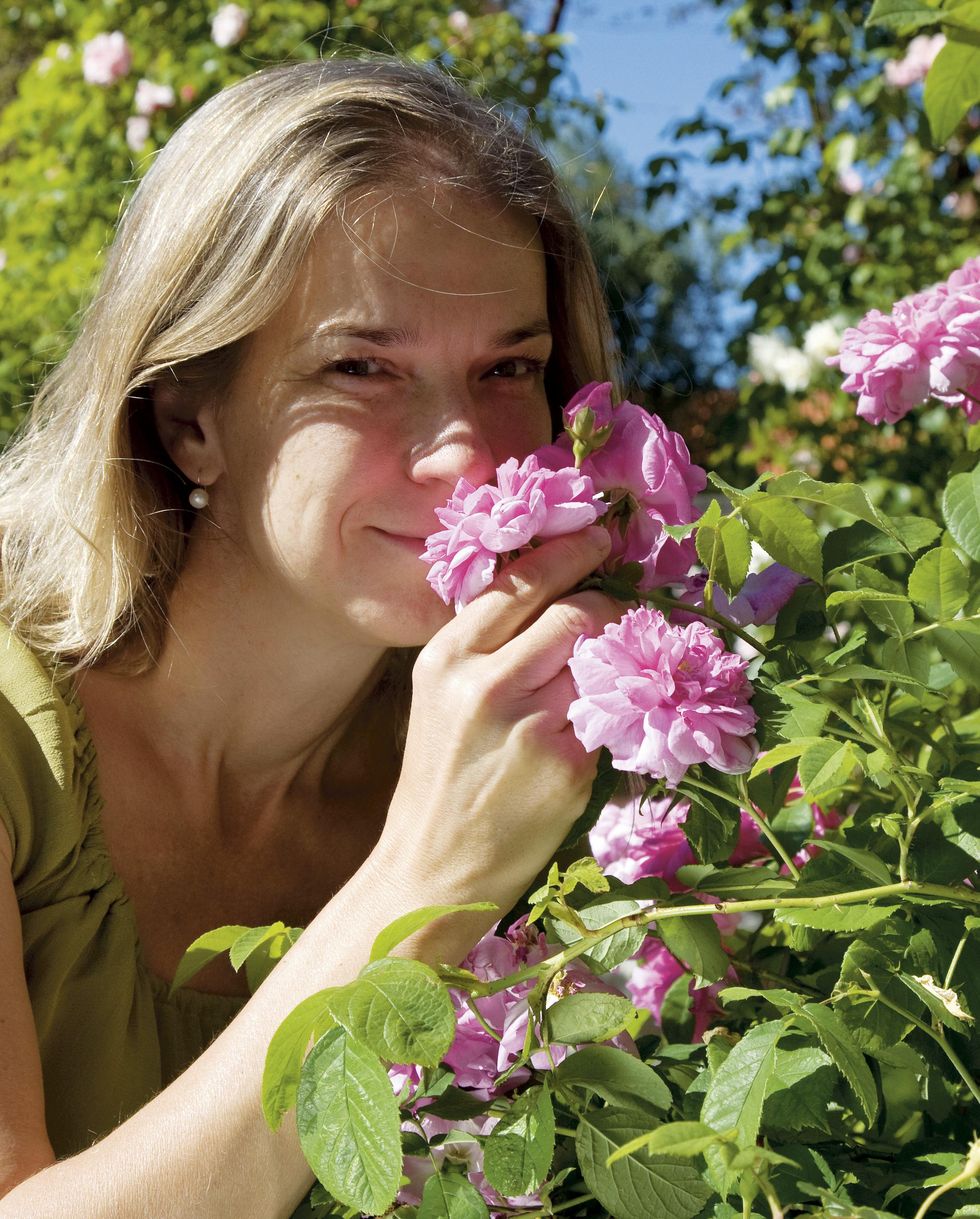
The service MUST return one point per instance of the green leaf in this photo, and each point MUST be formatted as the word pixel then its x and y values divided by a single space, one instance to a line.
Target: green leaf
pixel 786 533
pixel 348 1123
pixel 942 1011
pixel 784 753
pixel 865 861
pixel 711 825
pixel 825 767
pixel 399 1009
pixel 836 918
pixel 952 87
pixel 457 1105
pixel 636 1187
pixel 250 940
pixel 204 949
pixel 616 1076
pixel 738 1089
pixel 735 883
pixel 449 1195
pixel 959 643
pixel 587 1016
pixel 907 656
pixel 399 930
pixel 938 583
pixel 608 953
pixel 696 942
pixel 846 497
pixel 961 499
pixel 861 541
pixel 587 873
pixel 287 1049
pixel 847 1057
pixel 784 1000
pixel 800 1094
pixel 517 1155
pixel 902 15
pixel 892 612
pixel 685 1139
pixel 724 548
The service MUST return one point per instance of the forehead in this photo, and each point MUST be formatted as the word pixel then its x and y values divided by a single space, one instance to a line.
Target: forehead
pixel 424 256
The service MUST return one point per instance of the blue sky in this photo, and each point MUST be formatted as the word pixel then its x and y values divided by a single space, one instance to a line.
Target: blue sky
pixel 661 64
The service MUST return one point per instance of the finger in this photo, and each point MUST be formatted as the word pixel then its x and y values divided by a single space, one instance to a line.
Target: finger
pixel 523 589
pixel 541 651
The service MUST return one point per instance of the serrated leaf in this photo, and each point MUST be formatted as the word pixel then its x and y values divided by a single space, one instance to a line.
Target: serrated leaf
pixel 735 883
pixel 711 825
pixel 959 643
pixel 799 1095
pixel 398 931
pixel 891 612
pixel 517 1155
pixel 961 499
pixel 204 949
pixel 287 1049
pixel 784 753
pixel 448 1195
pixel 864 861
pixel 855 917
pixel 786 533
pixel 736 1094
pixel 902 15
pixel 826 767
pixel 696 943
pixel 638 1186
pixel 613 950
pixel 939 584
pixel 725 550
pixel 587 1016
pixel 941 1010
pixel 399 1009
pixel 616 1076
pixel 685 1139
pixel 908 656
pixel 348 1123
pixel 846 497
pixel 784 1000
pixel 836 1039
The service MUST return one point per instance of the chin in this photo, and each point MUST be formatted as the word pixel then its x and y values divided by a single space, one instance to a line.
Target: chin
pixel 408 622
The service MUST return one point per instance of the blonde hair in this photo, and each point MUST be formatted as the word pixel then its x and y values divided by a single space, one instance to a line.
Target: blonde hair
pixel 92 512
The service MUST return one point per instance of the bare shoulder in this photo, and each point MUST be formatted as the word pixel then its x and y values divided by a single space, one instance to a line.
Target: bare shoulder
pixel 24 1145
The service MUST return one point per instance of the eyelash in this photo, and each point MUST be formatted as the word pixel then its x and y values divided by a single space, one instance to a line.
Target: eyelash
pixel 533 367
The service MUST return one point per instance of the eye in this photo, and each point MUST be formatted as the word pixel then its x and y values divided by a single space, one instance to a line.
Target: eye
pixel 358 367
pixel 518 366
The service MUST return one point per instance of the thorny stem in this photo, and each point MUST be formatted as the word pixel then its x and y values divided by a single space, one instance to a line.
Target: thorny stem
pixel 642 918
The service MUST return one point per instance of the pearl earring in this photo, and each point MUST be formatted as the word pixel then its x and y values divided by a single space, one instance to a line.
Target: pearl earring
pixel 198 498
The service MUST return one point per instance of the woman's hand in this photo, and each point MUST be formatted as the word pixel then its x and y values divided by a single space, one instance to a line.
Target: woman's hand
pixel 493 776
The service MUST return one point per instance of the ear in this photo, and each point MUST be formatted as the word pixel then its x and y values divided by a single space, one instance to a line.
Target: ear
pixel 188 431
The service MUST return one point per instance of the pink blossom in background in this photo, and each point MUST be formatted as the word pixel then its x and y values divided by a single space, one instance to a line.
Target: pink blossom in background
pixel 886 358
pixel 458 22
pixel 151 97
pixel 106 58
pixel 850 181
pixel 757 602
pixel 137 131
pixel 662 698
pixel 481 523
pixel 918 59
pixel 229 25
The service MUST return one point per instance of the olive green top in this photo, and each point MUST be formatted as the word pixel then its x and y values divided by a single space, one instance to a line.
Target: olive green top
pixel 109 1035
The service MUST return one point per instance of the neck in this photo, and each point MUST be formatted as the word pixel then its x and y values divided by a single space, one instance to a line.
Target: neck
pixel 250 709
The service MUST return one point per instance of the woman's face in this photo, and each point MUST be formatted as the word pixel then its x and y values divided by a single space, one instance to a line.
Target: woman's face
pixel 410 353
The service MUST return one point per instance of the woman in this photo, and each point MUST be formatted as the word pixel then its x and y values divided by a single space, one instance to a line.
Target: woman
pixel 340 288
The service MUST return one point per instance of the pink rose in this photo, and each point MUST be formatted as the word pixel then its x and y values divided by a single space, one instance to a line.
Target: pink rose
pixel 654 972
pixel 662 698
pixel 886 358
pixel 151 97
pixel 483 523
pixel 229 25
pixel 106 58
pixel 137 131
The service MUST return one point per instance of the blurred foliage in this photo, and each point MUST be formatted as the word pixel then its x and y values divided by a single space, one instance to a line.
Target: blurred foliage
pixel 835 201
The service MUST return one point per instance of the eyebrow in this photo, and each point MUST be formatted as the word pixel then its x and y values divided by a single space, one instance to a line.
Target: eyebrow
pixel 401 336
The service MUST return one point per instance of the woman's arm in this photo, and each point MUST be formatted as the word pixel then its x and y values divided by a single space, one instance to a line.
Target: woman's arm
pixel 491 780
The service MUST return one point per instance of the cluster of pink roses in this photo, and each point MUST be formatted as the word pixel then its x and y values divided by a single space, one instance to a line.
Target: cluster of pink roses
pixel 661 697
pixel 928 346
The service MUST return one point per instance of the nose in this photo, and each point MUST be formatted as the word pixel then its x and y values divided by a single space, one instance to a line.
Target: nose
pixel 453 446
